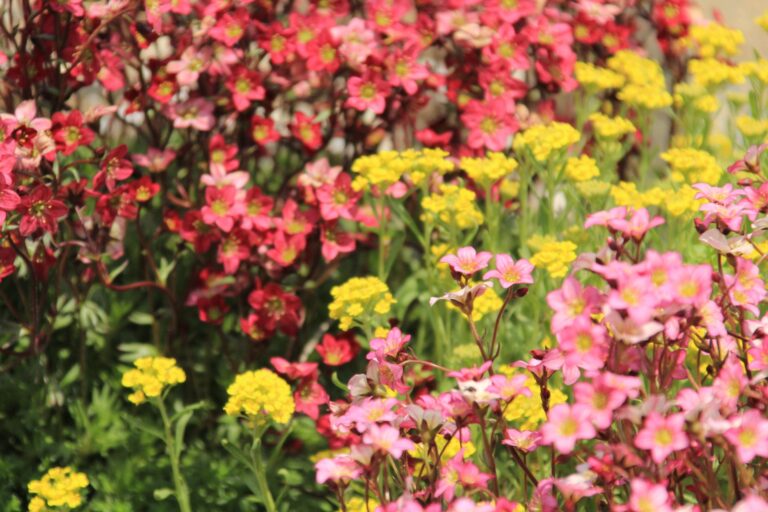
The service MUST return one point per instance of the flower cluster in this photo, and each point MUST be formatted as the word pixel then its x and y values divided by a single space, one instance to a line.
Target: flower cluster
pixel 60 488
pixel 151 376
pixel 260 395
pixel 358 300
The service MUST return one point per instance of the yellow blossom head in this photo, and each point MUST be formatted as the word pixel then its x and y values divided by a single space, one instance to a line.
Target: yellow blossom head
pixel 555 257
pixel 452 205
pixel 150 376
pixel 260 395
pixel 361 299
pixel 59 487
pixel 582 168
pixel 546 140
pixel 487 171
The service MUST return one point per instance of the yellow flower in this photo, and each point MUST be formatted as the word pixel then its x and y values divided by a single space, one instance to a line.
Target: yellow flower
pixel 712 72
pixel 386 167
pixel 151 376
pixel 260 395
pixel 645 85
pixel 692 165
pixel 359 299
pixel 681 201
pixel 509 189
pixel 582 168
pixel 357 504
pixel 593 188
pixel 592 77
pixel 544 140
pixel 611 128
pixel 626 194
pixel 762 20
pixel 757 68
pixel 487 171
pixel 751 127
pixel 528 411
pixel 555 257
pixel 454 206
pixel 714 39
pixel 58 487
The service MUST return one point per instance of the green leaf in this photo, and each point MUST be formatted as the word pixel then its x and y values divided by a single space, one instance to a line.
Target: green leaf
pixel 144 427
pixel 162 494
pixel 165 269
pixel 236 452
pixel 141 318
pixel 181 426
pixel 190 408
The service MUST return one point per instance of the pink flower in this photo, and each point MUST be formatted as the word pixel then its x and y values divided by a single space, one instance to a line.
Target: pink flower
pixel 230 28
pixel 639 223
pixel 647 496
pixel 381 348
pixel 525 440
pixel 196 113
pixel 245 86
pixel 189 66
pixel 565 425
pixel 386 439
pixel 584 344
pixel 509 272
pixel 335 241
pixel 339 470
pixel 460 472
pixel 338 199
pixel 730 382
pixel 572 300
pixel 222 207
pixel 662 436
pixel 490 124
pixel 467 261
pixel 749 435
pixel 604 218
pixel 601 400
pixel 367 93
pixel 155 160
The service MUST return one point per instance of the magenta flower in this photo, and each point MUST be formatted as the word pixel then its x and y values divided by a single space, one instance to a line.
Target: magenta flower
pixel 222 207
pixel 381 348
pixel 467 261
pixel 638 224
pixel 525 440
pixel 565 425
pixel 662 436
pixel 367 94
pixel 509 272
pixel 339 470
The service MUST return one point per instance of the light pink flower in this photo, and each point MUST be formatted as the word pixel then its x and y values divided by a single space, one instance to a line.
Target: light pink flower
pixel 467 261
pixel 749 435
pixel 565 425
pixel 647 496
pixel 662 435
pixel 509 272
pixel 386 439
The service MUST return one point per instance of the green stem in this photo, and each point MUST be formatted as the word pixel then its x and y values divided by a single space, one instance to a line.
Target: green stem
pixel 182 490
pixel 257 466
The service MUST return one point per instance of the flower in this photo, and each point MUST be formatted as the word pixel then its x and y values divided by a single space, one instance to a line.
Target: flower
pixel 582 168
pixel 367 93
pixel 58 487
pixel 260 395
pixel 487 171
pixel 749 435
pixel 610 128
pixel 647 496
pixel 555 257
pixel 386 439
pixel 467 261
pixel 359 299
pixel 452 205
pixel 545 140
pixel 565 425
pixel 662 435
pixel 510 272
pixel 151 376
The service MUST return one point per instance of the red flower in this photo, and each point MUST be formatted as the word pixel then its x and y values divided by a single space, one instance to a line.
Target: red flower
pixel 114 167
pixel 307 131
pixel 277 308
pixel 337 351
pixel 145 189
pixel 286 248
pixel 69 131
pixel 40 212
pixel 253 328
pixel 245 86
pixel 263 130
pixel 230 28
pixel 335 241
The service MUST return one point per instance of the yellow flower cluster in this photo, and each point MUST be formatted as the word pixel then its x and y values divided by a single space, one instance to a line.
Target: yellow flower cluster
pixel 696 96
pixel 453 205
pixel 645 86
pixel 555 257
pixel 487 171
pixel 712 72
pixel 386 167
pixel 676 202
pixel 358 298
pixel 714 39
pixel 593 188
pixel 260 395
pixel 762 20
pixel 692 166
pixel 751 127
pixel 528 410
pixel 611 128
pixel 756 68
pixel 593 77
pixel 58 487
pixel 582 168
pixel 151 376
pixel 358 504
pixel 545 139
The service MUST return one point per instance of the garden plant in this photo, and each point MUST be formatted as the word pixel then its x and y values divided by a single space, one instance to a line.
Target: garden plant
pixel 382 256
